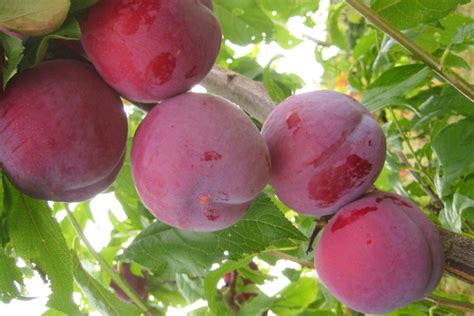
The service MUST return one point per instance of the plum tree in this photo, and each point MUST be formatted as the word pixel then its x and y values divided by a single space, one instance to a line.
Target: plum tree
pixel 198 162
pixel 62 132
pixel 137 283
pixel 149 50
pixel 379 253
pixel 326 151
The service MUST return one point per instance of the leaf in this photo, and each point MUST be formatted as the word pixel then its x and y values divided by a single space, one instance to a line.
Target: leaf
pixel 454 146
pixel 336 34
pixel 405 14
pixel 194 253
pixel 393 84
pixel 9 275
pixel 100 298
pixel 37 238
pixel 211 280
pixel 451 216
pixel 284 9
pixel 242 21
pixel 275 92
pixel 192 290
pixel 78 5
pixel 14 51
pixel 38 47
pixel 33 17
pixel 296 297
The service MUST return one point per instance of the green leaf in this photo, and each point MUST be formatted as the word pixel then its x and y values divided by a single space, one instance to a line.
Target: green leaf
pixel 100 298
pixel 211 280
pixel 192 290
pixel 9 274
pixel 14 51
pixel 33 17
pixel 38 46
pixel 37 238
pixel 296 297
pixel 78 5
pixel 393 84
pixel 335 28
pixel 275 92
pixel 405 14
pixel 454 146
pixel 194 253
pixel 242 21
pixel 284 9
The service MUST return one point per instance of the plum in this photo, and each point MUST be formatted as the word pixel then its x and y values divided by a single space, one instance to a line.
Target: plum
pixel 63 132
pixel 326 150
pixel 198 161
pixel 379 253
pixel 149 50
pixel 207 3
pixel 137 283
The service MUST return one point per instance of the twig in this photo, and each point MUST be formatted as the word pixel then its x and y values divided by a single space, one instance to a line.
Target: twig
pixel 103 264
pixel 320 224
pixel 230 298
pixel 445 302
pixel 250 95
pixel 284 256
pixel 452 78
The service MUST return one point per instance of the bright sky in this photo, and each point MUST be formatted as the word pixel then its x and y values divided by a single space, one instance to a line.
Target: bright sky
pixel 299 60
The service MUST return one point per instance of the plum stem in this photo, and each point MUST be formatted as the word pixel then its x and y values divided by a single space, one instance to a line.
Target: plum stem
pixel 320 224
pixel 383 25
pixel 230 299
pixel 104 265
pixel 445 302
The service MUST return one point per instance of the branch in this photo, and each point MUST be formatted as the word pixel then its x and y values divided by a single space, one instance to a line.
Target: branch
pixel 459 250
pixel 250 95
pixel 445 302
pixel 452 78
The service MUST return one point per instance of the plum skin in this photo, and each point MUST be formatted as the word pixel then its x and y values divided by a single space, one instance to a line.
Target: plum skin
pixel 198 162
pixel 149 50
pixel 63 132
pixel 326 151
pixel 137 283
pixel 379 253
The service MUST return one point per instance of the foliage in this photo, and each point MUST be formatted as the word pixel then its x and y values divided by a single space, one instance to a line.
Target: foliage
pixel 425 120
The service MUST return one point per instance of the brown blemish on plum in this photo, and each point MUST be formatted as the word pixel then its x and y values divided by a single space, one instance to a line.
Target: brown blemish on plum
pixel 163 67
pixel 343 221
pixel 293 120
pixel 211 156
pixel 191 73
pixel 327 186
pixel 394 199
pixel 203 199
pixel 370 142
pixel 369 241
pixel 211 214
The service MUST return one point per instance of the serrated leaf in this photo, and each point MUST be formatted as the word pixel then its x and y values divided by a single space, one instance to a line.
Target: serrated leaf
pixel 100 298
pixel 78 5
pixel 294 299
pixel 242 21
pixel 284 9
pixel 33 17
pixel 454 146
pixel 405 14
pixel 37 238
pixel 393 85
pixel 192 290
pixel 336 34
pixel 194 253
pixel 13 48
pixel 9 274
pixel 275 92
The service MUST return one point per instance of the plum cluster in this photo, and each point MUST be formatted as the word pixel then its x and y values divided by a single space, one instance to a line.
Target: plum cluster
pixel 198 161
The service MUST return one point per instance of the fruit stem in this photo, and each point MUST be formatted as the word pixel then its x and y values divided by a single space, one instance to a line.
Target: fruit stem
pixel 446 302
pixel 104 265
pixel 320 224
pixel 383 25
